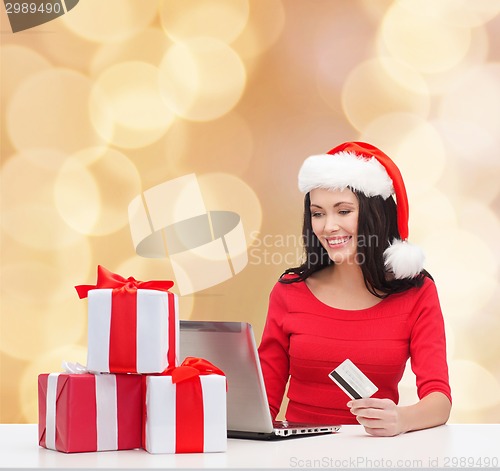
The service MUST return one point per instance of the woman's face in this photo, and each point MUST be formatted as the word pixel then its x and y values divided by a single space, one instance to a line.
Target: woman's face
pixel 334 219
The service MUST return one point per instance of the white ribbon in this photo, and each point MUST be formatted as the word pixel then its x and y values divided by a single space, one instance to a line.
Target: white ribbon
pixel 50 418
pixel 106 407
pixel 74 368
pixel 107 412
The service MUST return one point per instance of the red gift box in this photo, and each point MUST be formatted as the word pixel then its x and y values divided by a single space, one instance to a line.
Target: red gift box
pixel 185 409
pixel 133 326
pixel 86 412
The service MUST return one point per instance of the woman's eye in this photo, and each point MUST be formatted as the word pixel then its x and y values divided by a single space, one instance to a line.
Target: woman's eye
pixel 316 215
pixel 344 212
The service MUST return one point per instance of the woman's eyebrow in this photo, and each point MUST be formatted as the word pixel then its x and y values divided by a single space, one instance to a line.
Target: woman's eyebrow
pixel 343 202
pixel 335 205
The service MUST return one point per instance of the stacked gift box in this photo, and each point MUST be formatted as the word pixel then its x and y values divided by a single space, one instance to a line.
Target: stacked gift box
pixel 133 393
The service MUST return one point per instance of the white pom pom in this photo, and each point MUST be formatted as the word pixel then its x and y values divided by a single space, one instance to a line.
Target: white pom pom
pixel 403 259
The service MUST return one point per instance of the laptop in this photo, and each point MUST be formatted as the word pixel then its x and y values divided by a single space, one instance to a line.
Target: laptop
pixel 231 347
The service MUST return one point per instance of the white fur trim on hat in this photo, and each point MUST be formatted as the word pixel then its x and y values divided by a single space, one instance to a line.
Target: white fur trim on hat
pixel 403 259
pixel 345 169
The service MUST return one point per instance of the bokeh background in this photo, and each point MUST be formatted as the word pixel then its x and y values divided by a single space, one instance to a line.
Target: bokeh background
pixel 118 96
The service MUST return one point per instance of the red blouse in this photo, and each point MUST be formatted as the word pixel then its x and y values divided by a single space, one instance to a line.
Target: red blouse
pixel 305 339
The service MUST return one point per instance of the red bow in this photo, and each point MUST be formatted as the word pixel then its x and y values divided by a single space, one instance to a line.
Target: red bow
pixel 108 279
pixel 190 368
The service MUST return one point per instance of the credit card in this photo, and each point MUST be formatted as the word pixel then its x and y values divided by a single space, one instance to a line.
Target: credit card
pixel 352 381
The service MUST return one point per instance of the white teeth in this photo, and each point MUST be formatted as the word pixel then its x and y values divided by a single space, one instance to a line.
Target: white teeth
pixel 337 241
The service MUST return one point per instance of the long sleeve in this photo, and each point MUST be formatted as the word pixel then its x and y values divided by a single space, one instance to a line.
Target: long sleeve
pixel 428 345
pixel 273 350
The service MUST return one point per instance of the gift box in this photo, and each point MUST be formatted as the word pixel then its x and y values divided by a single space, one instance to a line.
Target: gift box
pixel 87 412
pixel 133 326
pixel 185 409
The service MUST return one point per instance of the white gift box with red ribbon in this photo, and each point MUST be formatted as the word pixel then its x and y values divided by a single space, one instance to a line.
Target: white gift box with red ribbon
pixel 133 326
pixel 185 410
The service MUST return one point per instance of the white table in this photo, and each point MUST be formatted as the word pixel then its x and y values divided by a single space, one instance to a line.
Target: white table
pixel 449 446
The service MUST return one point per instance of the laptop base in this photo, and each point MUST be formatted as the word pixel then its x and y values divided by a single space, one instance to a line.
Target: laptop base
pixel 285 430
pixel 268 436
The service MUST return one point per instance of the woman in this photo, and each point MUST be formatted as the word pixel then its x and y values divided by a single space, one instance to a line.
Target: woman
pixel 361 294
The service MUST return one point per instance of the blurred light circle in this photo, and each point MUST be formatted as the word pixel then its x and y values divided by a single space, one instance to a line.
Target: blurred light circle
pixel 481 183
pixel 479 339
pixel 32 328
pixel 475 255
pixel 59 120
pixel 176 147
pixel 260 33
pixel 421 157
pixel 132 89
pixel 414 144
pixel 93 190
pixel 29 215
pixel 462 13
pixel 469 141
pixel 201 79
pixel 335 59
pixel 477 55
pixel 148 46
pixel 369 91
pixel 18 64
pixel 407 78
pixel 61 47
pixel 218 19
pixel 422 39
pixel 77 196
pixel 225 144
pixel 375 10
pixel 225 192
pixel 431 211
pixel 156 269
pixel 110 20
pixel 27 279
pixel 73 265
pixel 482 221
pixel 469 115
pixel 134 105
pixel 470 381
pixel 66 266
pixel 45 362
pixel 464 268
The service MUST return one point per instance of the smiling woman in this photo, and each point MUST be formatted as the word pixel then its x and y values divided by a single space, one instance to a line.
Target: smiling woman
pixel 361 294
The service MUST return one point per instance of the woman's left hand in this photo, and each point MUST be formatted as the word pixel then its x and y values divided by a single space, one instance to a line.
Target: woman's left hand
pixel 379 417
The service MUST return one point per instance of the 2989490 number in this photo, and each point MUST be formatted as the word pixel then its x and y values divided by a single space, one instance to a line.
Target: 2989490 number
pixel 32 8
pixel 470 462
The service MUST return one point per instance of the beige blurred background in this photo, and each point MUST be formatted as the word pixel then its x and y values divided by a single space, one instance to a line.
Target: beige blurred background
pixel 118 96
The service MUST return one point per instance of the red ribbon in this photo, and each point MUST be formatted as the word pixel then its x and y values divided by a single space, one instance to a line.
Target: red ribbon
pixel 123 329
pixel 108 279
pixel 191 368
pixel 189 402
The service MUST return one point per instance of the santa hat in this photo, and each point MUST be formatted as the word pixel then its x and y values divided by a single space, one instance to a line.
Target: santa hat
pixel 364 168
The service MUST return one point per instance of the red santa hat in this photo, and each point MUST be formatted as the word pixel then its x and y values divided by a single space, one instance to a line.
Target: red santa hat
pixel 364 168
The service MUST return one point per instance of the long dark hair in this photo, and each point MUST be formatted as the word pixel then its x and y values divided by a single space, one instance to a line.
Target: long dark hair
pixel 377 226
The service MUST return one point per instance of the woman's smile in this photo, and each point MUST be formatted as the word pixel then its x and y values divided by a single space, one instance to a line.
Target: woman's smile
pixel 337 242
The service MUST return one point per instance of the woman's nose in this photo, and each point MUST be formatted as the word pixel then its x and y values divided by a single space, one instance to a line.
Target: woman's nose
pixel 331 225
